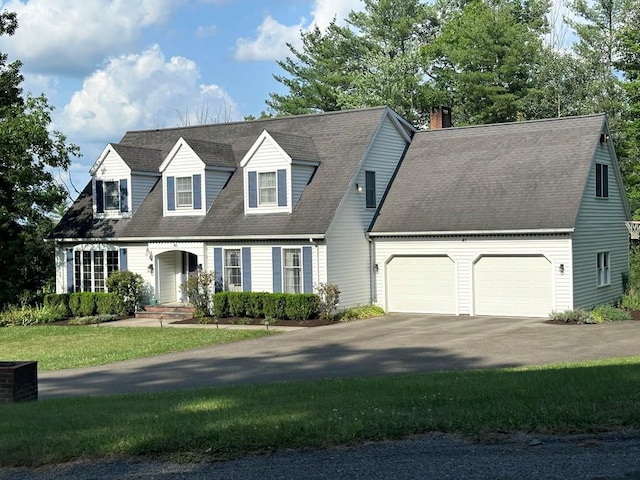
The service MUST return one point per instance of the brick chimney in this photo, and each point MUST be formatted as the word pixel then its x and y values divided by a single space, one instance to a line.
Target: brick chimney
pixel 440 117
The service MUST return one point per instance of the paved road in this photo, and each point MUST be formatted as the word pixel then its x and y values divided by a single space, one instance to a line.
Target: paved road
pixel 386 345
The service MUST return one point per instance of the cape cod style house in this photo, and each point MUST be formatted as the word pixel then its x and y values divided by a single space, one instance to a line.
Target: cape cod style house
pixel 509 219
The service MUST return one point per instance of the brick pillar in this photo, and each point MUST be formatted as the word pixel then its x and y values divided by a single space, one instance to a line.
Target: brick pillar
pixel 18 381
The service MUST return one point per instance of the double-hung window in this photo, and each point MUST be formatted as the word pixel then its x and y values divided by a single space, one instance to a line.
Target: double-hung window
pixel 184 192
pixel 111 195
pixel 292 270
pixel 602 180
pixel 267 188
pixel 233 270
pixel 603 269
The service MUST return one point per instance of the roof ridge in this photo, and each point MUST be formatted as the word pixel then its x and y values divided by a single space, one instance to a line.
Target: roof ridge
pixel 521 122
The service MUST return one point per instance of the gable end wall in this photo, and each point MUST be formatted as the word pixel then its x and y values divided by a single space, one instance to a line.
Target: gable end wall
pixel 349 261
pixel 600 228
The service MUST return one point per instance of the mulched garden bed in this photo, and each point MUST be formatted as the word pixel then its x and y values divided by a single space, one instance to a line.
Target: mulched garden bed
pixel 317 322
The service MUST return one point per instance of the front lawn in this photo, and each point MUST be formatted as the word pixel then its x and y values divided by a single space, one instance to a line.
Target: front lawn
pixel 221 423
pixel 57 347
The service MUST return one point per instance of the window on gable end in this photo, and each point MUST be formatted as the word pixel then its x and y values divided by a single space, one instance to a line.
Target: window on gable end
pixel 370 189
pixel 603 270
pixel 602 180
pixel 111 195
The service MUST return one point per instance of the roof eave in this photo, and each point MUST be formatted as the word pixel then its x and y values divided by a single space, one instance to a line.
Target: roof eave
pixel 440 233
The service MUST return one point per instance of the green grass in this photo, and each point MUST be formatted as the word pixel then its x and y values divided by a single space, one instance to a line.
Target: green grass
pixel 223 423
pixel 56 347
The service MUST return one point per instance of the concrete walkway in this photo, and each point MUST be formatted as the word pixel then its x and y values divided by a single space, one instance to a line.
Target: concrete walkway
pixel 381 346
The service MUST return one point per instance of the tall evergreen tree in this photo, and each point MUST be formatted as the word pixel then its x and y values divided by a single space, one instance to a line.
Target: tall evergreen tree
pixel 28 192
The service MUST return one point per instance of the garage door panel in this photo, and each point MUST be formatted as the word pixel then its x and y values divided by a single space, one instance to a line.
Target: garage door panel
pixel 513 286
pixel 421 284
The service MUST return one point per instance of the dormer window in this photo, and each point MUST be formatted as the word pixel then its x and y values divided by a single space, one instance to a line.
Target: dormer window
pixel 184 192
pixel 267 188
pixel 111 196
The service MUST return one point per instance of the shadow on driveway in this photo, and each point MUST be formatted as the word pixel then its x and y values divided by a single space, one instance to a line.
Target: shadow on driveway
pixel 392 344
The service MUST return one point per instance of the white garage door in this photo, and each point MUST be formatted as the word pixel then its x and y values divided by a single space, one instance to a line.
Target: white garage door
pixel 421 284
pixel 513 286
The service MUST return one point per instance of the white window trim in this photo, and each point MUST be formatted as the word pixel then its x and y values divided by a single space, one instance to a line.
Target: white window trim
pixel 603 269
pixel 299 268
pixel 225 266
pixel 274 187
pixel 178 191
pixel 116 184
pixel 79 282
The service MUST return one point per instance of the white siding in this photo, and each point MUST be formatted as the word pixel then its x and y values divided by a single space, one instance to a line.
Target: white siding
pixel 138 261
pixel 349 260
pixel 262 262
pixel 600 228
pixel 185 163
pixel 300 175
pixel 61 269
pixel 141 185
pixel 268 157
pixel 465 251
pixel 214 181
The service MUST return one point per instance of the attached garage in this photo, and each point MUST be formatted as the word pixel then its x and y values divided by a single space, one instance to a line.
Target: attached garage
pixel 513 286
pixel 421 284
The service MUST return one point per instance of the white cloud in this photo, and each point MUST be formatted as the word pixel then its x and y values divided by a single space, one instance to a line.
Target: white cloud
pixel 271 42
pixel 73 36
pixel 142 91
pixel 208 31
pixel 272 36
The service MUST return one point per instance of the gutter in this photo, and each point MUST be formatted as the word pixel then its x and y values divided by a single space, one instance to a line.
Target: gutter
pixel 306 238
pixel 441 233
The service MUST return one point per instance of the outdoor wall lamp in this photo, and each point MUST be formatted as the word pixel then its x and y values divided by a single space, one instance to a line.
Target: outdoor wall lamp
pixel 150 268
pixel 562 268
pixel 359 188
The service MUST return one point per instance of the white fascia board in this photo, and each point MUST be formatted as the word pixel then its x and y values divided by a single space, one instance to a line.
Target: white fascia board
pixel 307 237
pixel 94 168
pixel 258 143
pixel 535 231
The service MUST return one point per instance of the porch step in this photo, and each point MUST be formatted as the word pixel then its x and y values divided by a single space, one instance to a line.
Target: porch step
pixel 170 313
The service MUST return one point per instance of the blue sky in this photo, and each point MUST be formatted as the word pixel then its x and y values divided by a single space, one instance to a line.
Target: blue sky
pixel 108 66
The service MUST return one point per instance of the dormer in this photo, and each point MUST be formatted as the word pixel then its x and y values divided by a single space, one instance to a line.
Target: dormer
pixel 110 179
pixel 193 173
pixel 276 169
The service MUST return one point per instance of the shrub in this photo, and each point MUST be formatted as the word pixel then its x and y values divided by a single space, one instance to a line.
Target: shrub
pixel 301 306
pixel 274 305
pixel 579 315
pixel 25 316
pixel 198 289
pixel 221 304
pixel 631 300
pixel 109 303
pixel 92 319
pixel 128 286
pixel 55 299
pixel 254 304
pixel 609 313
pixel 74 304
pixel 360 312
pixel 236 304
pixel 328 300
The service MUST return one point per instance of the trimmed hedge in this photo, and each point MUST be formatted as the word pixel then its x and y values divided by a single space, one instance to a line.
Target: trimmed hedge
pixel 282 306
pixel 85 304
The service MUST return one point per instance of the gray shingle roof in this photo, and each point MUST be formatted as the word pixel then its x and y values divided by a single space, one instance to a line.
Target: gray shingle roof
pixel 212 153
pixel 140 159
pixel 517 176
pixel 339 139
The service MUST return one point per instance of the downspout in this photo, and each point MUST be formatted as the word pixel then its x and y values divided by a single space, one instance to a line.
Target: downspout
pixel 372 270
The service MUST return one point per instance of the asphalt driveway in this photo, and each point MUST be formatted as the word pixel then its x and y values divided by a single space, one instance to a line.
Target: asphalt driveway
pixel 395 343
